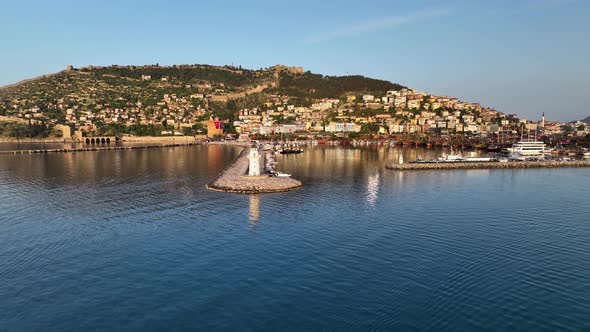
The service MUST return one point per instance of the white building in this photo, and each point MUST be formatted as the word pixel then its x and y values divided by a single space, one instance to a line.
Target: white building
pixel 336 127
pixel 254 158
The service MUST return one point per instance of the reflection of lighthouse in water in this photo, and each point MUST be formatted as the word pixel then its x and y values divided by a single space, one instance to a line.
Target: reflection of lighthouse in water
pixel 254 209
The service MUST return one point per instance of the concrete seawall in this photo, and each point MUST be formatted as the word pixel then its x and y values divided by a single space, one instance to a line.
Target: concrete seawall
pixel 488 165
pixel 234 179
pixel 161 139
pixel 102 148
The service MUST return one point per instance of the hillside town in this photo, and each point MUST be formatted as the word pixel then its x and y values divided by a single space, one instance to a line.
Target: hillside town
pixel 81 103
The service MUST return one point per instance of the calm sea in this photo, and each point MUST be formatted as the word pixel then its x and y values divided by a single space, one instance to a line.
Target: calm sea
pixel 132 241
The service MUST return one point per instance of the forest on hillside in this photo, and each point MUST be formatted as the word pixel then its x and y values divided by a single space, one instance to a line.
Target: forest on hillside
pixel 319 86
pixel 184 73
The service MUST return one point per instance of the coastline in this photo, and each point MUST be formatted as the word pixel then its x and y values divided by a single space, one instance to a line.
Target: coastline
pixel 36 140
pixel 160 139
pixel 127 139
pixel 95 148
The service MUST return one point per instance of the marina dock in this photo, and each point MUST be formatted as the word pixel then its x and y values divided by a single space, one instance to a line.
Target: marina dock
pixel 488 165
pixel 235 179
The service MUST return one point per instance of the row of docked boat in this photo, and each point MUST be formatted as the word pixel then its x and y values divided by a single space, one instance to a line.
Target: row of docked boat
pixel 288 148
pixel 524 150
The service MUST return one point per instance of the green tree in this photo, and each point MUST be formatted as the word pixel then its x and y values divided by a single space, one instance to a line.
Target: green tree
pixel 568 129
pixel 369 128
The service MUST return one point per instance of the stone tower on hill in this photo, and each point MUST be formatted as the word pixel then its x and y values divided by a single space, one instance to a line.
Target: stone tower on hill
pixel 290 70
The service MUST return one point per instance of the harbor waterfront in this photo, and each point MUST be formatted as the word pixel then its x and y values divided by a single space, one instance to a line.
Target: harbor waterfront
pixel 132 240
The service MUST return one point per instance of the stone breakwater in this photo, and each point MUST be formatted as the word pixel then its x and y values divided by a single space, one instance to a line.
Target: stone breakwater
pixel 488 165
pixel 234 179
pixel 86 149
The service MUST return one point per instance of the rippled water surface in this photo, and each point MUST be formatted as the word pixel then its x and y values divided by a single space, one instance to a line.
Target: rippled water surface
pixel 132 240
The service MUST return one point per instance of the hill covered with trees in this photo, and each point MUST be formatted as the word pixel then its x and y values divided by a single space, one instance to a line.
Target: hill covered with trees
pixel 319 86
pixel 227 75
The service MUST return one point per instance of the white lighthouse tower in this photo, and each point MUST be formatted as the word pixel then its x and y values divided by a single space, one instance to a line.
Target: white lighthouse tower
pixel 254 157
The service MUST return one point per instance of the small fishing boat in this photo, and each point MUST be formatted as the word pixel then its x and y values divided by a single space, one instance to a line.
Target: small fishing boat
pixel 282 175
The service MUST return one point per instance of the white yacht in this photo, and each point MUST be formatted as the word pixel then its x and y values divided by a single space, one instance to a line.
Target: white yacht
pixel 454 158
pixel 527 148
pixel 450 157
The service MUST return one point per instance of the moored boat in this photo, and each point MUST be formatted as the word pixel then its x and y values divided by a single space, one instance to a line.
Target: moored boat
pixel 290 148
pixel 280 175
pixel 494 148
pixel 527 148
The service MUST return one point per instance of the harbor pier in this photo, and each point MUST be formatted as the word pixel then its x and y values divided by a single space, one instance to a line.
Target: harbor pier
pixel 96 148
pixel 235 179
pixel 487 165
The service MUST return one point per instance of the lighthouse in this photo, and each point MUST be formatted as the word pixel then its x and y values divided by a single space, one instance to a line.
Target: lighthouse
pixel 254 157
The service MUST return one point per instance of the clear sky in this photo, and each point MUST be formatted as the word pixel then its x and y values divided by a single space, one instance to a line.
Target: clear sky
pixel 521 56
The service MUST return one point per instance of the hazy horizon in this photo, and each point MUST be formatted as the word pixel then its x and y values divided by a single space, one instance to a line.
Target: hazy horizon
pixel 527 58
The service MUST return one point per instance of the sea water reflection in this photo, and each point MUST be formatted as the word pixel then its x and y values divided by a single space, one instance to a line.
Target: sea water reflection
pixel 132 240
pixel 254 209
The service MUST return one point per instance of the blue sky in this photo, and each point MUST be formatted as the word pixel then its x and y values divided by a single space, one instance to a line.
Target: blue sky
pixel 522 56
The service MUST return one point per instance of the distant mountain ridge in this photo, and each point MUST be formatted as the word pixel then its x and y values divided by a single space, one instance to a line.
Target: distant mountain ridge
pixel 587 120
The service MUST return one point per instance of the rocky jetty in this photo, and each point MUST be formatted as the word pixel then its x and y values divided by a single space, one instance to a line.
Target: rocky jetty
pixel 488 165
pixel 234 179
